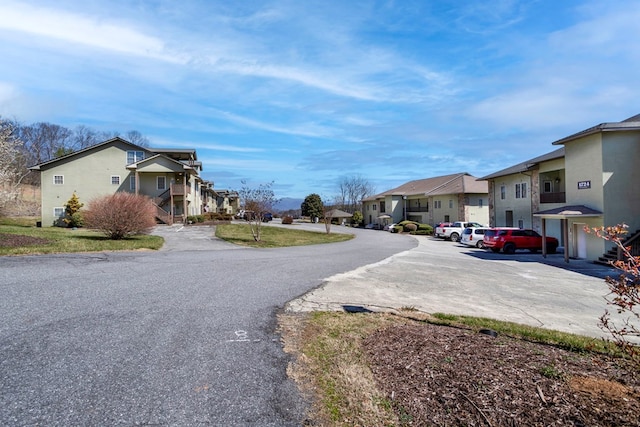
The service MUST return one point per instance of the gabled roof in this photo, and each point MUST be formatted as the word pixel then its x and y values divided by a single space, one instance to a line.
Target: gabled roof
pixel 177 153
pixel 91 148
pixel 447 184
pixel 632 123
pixel 186 156
pixel 569 211
pixel 527 165
pixel 153 159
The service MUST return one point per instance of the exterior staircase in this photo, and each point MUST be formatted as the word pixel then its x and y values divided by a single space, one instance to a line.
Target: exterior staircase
pixel 162 216
pixel 615 254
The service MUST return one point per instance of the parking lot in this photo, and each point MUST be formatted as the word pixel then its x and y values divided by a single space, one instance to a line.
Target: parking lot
pixel 446 277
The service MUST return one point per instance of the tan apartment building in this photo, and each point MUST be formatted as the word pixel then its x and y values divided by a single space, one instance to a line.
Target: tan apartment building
pixel 591 181
pixel 457 197
pixel 171 177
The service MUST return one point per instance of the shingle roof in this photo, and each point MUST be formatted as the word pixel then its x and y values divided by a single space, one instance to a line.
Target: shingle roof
pixel 632 123
pixel 447 184
pixel 527 165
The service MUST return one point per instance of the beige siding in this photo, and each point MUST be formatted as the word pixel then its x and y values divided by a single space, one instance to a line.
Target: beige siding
pixel 89 176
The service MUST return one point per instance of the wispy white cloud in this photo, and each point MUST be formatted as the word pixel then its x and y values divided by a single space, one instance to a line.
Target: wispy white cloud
pixel 85 30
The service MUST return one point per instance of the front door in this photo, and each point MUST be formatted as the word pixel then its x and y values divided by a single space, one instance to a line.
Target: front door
pixel 508 218
pixel 579 241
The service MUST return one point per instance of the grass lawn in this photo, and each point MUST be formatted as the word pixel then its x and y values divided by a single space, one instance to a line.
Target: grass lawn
pixel 276 237
pixel 22 237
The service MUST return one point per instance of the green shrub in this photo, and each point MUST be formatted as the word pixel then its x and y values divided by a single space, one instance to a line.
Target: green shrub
pixel 426 228
pixel 421 232
pixel 72 215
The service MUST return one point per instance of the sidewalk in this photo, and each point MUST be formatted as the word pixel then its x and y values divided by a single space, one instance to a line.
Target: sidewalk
pixel 445 277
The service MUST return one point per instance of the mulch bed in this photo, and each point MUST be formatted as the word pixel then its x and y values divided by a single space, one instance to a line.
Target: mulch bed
pixel 15 240
pixel 439 376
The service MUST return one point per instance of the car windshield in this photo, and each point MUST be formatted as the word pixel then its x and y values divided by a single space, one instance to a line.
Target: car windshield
pixel 467 231
pixel 490 233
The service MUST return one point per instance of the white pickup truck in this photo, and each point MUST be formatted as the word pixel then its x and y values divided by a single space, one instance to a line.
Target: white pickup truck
pixel 454 230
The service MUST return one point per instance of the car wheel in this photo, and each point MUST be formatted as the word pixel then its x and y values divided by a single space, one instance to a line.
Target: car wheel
pixel 454 237
pixel 509 248
pixel 551 249
pixel 480 244
pixel 495 250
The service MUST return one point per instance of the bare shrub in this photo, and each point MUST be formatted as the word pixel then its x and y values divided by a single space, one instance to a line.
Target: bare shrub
pixel 624 293
pixel 121 215
pixel 287 219
pixel 410 227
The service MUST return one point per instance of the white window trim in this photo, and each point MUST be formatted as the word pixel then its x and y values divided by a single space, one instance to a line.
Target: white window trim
pixel 54 180
pixel 60 215
pixel 503 192
pixel 135 156
pixel 164 185
pixel 132 183
pixel 117 179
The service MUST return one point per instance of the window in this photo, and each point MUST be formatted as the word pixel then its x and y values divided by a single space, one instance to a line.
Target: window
pixel 132 183
pixel 134 156
pixel 58 212
pixel 503 192
pixel 521 190
pixel 58 179
pixel 548 187
pixel 446 218
pixel 437 204
pixel 375 207
pixel 162 183
pixel 115 180
pixel 521 223
pixel 480 203
pixel 450 204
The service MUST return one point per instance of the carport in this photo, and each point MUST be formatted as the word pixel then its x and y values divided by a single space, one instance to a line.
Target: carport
pixel 564 213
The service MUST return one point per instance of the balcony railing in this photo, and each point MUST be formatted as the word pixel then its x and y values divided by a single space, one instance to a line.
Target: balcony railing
pixel 417 209
pixel 553 197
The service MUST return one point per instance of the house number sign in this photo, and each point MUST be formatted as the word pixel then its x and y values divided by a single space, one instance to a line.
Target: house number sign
pixel 583 185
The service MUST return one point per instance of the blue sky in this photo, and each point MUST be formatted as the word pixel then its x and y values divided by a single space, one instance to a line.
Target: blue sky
pixel 304 93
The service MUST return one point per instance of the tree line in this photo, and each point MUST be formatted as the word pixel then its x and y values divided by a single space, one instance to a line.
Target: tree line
pixel 40 142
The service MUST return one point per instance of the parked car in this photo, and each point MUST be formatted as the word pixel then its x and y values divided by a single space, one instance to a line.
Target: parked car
pixel 510 239
pixel 392 228
pixel 473 236
pixel 372 226
pixel 454 230
pixel 267 216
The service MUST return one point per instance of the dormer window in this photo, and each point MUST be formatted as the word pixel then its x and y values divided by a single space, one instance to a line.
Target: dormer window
pixel 134 156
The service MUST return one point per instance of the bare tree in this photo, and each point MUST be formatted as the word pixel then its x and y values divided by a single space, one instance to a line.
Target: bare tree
pixel 256 202
pixel 84 137
pixel 352 189
pixel 46 141
pixel 135 137
pixel 11 160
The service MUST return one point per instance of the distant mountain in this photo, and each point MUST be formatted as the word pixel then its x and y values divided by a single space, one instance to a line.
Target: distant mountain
pixel 287 203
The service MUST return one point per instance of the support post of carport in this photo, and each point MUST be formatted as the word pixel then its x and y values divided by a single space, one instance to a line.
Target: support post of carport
pixel 544 237
pixel 565 231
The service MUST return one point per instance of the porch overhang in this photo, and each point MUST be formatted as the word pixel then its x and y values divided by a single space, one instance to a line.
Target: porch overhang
pixel 564 213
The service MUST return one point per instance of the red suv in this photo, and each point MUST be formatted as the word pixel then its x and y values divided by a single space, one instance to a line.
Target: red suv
pixel 510 239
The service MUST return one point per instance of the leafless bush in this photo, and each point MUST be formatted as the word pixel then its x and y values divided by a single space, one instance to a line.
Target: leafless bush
pixel 121 215
pixel 624 293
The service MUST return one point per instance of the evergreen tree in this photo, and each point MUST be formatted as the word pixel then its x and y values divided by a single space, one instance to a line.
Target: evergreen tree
pixel 312 206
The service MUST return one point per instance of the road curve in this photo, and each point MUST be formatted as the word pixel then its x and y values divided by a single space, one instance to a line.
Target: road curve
pixel 181 336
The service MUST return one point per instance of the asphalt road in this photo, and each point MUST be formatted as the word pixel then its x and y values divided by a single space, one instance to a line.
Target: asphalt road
pixel 183 336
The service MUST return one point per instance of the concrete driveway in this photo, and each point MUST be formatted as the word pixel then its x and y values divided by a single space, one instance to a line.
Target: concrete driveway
pixel 446 277
pixel 439 276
